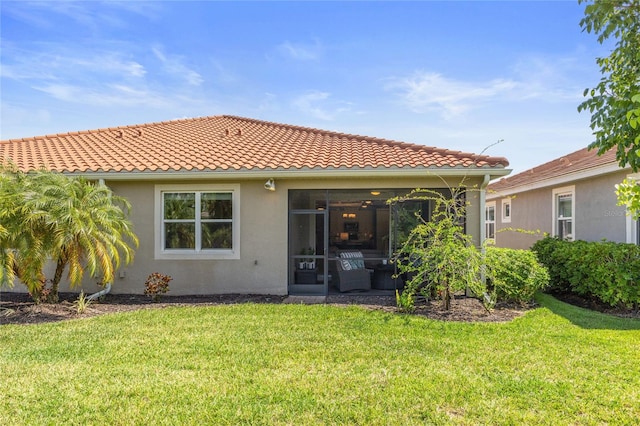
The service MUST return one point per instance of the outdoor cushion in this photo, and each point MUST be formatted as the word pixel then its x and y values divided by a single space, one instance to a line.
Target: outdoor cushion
pixel 351 260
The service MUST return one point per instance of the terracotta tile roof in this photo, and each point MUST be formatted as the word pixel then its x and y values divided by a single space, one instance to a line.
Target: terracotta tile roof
pixel 582 160
pixel 226 143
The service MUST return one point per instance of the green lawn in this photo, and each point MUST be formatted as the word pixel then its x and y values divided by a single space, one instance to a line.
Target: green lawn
pixel 293 364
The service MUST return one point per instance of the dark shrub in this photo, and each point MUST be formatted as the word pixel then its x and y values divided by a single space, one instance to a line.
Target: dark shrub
pixel 605 270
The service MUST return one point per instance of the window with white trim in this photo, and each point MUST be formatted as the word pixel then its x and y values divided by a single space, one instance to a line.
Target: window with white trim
pixel 506 210
pixel 563 213
pixel 197 223
pixel 490 220
pixel 633 225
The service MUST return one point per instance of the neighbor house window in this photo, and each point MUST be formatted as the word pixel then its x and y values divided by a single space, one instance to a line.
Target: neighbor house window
pixel 198 222
pixel 506 210
pixel 490 220
pixel 563 213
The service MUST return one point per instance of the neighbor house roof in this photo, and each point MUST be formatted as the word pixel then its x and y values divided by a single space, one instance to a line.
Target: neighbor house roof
pixel 227 143
pixel 580 164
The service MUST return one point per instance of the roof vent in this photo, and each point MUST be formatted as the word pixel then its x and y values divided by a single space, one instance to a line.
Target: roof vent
pixel 239 132
pixel 226 132
pixel 119 134
pixel 565 161
pixel 138 132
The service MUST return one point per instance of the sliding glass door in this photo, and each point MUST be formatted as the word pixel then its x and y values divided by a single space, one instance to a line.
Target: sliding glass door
pixel 308 243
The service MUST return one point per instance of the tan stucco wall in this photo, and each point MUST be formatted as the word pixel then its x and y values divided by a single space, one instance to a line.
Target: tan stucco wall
pixel 263 242
pixel 262 266
pixel 530 218
pixel 596 215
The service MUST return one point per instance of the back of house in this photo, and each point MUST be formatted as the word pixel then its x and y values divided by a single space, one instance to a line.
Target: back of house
pixel 227 204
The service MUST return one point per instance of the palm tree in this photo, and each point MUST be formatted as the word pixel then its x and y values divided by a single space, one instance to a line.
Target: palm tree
pixel 89 230
pixel 7 258
pixel 24 239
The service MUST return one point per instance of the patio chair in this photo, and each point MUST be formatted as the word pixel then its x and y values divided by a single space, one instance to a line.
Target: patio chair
pixel 350 272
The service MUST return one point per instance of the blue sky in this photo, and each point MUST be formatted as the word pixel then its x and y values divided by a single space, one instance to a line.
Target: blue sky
pixel 457 75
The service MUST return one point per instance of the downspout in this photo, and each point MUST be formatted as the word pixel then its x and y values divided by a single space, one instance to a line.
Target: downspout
pixel 101 293
pixel 483 232
pixel 483 204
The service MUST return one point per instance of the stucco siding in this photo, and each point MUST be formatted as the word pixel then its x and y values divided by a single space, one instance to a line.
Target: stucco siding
pixel 530 219
pixel 597 214
pixel 262 266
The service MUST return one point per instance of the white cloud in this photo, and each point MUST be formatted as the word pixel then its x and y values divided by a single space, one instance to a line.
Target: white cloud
pixel 174 65
pixel 90 14
pixel 56 63
pixel 532 78
pixel 308 103
pixel 302 51
pixel 317 104
pixel 109 95
pixel 428 91
pixel 549 79
pixel 101 75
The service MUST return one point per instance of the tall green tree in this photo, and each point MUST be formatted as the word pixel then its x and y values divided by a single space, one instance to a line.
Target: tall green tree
pixel 614 102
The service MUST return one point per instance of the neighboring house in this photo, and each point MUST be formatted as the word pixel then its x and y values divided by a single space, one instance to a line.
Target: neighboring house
pixel 571 197
pixel 233 205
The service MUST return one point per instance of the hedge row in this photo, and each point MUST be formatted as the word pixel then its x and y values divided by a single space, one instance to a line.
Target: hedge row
pixel 605 270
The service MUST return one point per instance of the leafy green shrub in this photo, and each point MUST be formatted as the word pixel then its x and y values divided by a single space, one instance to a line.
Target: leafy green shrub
pixel 555 260
pixel 514 275
pixel 405 301
pixel 605 270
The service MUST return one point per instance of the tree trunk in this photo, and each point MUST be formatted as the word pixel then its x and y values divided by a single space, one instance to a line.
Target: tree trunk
pixel 446 297
pixel 60 265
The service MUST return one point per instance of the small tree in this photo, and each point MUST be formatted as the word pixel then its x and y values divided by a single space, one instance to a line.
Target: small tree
pixel 76 223
pixel 26 240
pixel 438 257
pixel 91 231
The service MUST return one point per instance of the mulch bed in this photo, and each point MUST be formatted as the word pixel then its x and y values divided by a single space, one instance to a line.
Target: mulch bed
pixel 594 304
pixel 18 308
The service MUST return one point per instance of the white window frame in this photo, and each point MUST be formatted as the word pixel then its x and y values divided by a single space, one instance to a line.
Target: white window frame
pixel 556 193
pixel 489 204
pixel 506 218
pixel 186 254
pixel 633 226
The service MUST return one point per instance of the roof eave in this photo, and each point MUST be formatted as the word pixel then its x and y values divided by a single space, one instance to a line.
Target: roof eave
pixel 493 172
pixel 557 180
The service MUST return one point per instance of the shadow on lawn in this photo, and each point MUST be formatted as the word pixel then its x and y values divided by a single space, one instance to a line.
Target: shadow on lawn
pixel 586 318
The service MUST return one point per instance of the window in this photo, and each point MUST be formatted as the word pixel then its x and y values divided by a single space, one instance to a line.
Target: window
pixel 196 223
pixel 633 225
pixel 490 220
pixel 563 213
pixel 506 210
